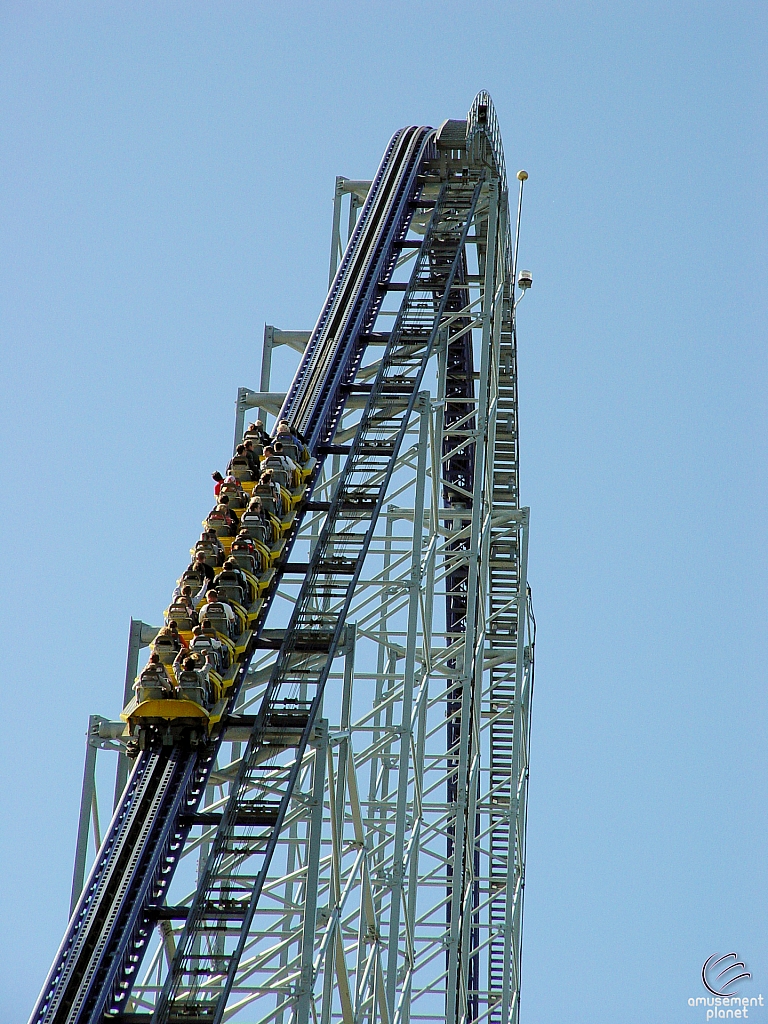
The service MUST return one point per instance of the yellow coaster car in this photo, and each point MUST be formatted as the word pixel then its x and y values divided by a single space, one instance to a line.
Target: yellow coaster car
pixel 172 719
pixel 165 709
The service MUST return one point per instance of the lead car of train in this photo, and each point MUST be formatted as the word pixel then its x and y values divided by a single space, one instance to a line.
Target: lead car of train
pixel 184 706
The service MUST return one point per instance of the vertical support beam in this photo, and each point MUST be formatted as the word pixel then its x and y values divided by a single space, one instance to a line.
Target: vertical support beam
pixel 266 366
pixel 346 713
pixel 313 874
pixel 95 819
pixel 457 956
pixel 336 230
pixel 240 407
pixel 407 709
pixel 421 722
pixel 139 635
pixel 354 205
pixel 328 974
pixel 340 789
pixel 86 804
pixel 335 950
pixel 377 789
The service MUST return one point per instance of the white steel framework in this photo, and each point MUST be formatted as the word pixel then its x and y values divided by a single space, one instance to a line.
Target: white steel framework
pixel 396 890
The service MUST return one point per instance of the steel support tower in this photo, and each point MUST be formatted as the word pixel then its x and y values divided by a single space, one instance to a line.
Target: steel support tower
pixel 352 848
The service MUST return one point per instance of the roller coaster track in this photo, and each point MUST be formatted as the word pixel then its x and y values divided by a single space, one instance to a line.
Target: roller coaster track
pixel 418 182
pixel 199 984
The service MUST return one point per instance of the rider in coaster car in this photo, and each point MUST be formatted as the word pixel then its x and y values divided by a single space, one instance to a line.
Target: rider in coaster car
pixel 186 599
pixel 153 682
pixel 241 465
pixel 183 612
pixel 293 446
pixel 231 579
pixel 256 523
pixel 198 576
pixel 290 465
pixel 206 642
pixel 282 469
pixel 193 675
pixel 169 642
pixel 253 455
pixel 219 613
pixel 268 491
pixel 231 489
pixel 243 551
pixel 218 480
pixel 257 434
pixel 211 548
pixel 200 566
pixel 222 519
pixel 209 630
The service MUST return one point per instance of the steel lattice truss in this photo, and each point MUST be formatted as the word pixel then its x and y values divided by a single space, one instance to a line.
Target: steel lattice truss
pixel 395 890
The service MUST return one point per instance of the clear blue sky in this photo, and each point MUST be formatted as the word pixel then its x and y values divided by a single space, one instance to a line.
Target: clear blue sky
pixel 167 172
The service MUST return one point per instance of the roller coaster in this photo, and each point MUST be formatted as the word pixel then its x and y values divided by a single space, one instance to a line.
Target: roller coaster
pixel 337 833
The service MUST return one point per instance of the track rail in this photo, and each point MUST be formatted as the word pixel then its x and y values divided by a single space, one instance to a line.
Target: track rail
pixel 315 400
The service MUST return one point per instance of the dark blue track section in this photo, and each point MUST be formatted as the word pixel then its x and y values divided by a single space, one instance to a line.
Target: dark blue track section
pixel 108 933
pixel 316 398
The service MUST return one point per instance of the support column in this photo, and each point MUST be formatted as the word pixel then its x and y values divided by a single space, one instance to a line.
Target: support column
pixel 86 805
pixel 346 713
pixel 376 826
pixel 421 717
pixel 354 206
pixel 266 367
pixel 407 707
pixel 139 635
pixel 240 406
pixel 313 873
pixel 336 229
pixel 356 190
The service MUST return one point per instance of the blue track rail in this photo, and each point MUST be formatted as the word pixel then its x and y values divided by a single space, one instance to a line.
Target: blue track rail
pixel 108 933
